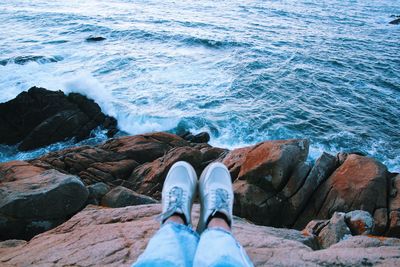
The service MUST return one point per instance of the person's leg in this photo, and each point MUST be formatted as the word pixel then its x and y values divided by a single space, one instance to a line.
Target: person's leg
pixel 217 245
pixel 175 243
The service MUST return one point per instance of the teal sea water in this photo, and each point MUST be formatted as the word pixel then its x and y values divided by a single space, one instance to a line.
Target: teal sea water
pixel 245 71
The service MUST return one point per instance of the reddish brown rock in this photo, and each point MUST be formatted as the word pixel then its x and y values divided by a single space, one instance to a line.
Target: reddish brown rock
pixel 148 178
pixel 17 170
pixel 235 159
pixel 360 183
pixel 146 147
pixel 116 237
pixel 269 164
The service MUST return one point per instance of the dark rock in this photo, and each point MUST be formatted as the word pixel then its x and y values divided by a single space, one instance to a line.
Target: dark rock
pixel 323 168
pixel 97 191
pixel 30 204
pixel 202 137
pixel 395 21
pixel 95 39
pixel 122 197
pixel 45 117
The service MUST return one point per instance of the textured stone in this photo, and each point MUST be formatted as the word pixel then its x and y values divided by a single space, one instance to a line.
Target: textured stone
pixel 360 183
pixel 122 197
pixel 148 178
pixel 360 222
pixel 116 237
pixel 334 231
pixel 45 117
pixel 270 163
pixel 34 203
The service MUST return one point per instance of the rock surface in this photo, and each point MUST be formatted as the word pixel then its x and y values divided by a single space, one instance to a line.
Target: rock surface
pixel 36 201
pixel 45 117
pixel 122 197
pixel 126 231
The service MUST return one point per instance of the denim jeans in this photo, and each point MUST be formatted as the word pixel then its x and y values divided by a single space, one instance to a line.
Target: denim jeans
pixel 178 245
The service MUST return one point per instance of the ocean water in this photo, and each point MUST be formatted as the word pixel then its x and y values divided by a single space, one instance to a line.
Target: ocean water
pixel 245 71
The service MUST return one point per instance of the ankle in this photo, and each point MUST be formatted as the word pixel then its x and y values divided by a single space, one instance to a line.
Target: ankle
pixel 176 218
pixel 219 220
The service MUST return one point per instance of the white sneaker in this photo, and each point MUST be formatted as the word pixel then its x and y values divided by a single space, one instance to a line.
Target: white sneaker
pixel 178 192
pixel 216 194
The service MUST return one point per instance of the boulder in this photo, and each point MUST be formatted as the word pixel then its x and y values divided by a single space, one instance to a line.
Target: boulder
pixel 360 183
pixel 45 117
pixel 116 237
pixel 202 137
pixel 394 208
pixel 96 192
pixel 37 202
pixel 122 197
pixel 269 164
pixel 296 204
pixel 360 222
pixel 335 231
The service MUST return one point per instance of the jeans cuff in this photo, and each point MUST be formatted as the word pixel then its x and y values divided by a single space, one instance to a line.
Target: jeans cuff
pixel 181 227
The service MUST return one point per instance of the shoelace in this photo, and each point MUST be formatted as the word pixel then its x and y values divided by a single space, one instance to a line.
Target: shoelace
pixel 175 201
pixel 221 201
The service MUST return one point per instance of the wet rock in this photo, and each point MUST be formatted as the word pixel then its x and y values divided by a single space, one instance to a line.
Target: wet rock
pixel 202 137
pixel 116 237
pixel 95 39
pixel 45 117
pixel 334 231
pixel 122 197
pixel 34 203
pixel 395 21
pixel 360 222
pixel 23 60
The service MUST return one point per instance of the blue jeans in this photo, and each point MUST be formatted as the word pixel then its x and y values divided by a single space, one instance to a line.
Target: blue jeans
pixel 178 245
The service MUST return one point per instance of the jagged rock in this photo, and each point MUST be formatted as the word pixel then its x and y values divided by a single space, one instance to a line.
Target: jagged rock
pixel 148 178
pixel 323 167
pixel 334 231
pixel 360 222
pixel 297 179
pixel 34 203
pixel 45 117
pixel 314 227
pixel 116 237
pixel 122 197
pixel 202 137
pixel 360 183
